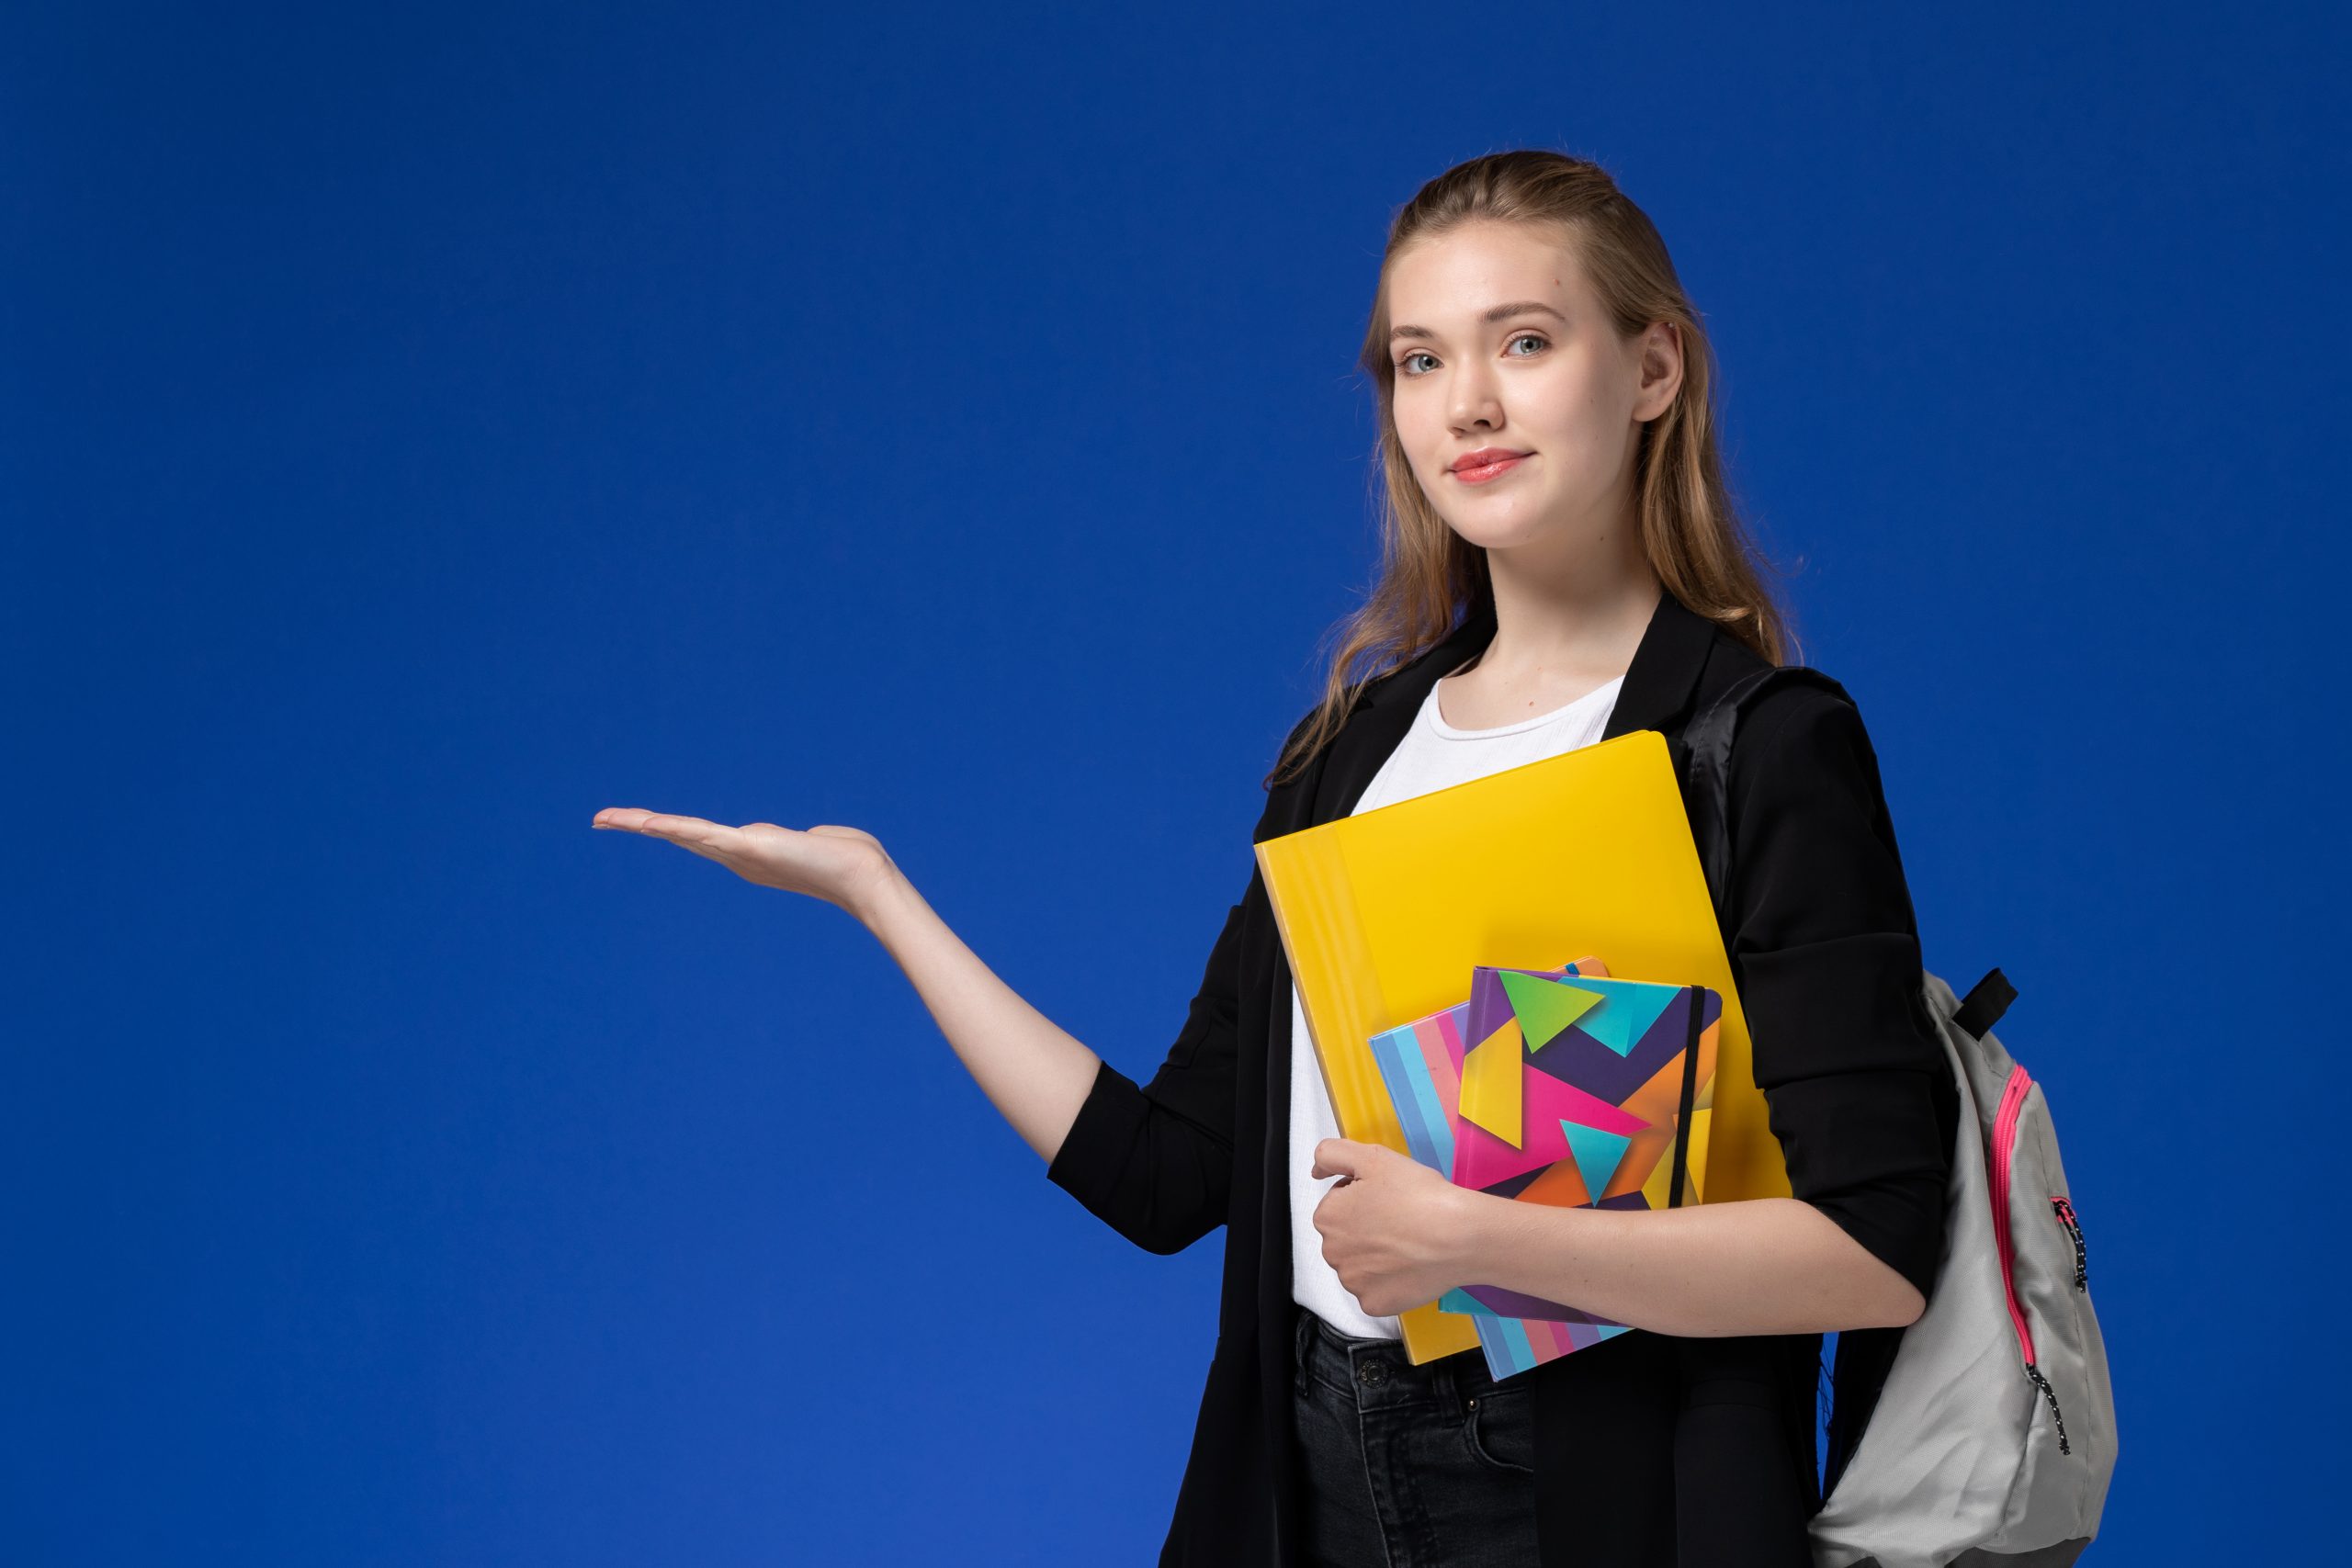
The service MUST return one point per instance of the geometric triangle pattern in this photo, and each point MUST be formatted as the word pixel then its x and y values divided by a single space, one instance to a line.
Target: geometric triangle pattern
pixel 1661 1185
pixel 1556 1086
pixel 1626 1011
pixel 1545 1006
pixel 1482 1159
pixel 1491 1081
pixel 1598 1153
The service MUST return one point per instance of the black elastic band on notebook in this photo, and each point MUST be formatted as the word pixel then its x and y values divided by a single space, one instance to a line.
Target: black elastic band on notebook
pixel 1689 1093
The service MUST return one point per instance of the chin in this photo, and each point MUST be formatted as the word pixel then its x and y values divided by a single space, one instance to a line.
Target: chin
pixel 1498 534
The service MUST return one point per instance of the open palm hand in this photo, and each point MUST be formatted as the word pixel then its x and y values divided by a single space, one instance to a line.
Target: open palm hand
pixel 828 862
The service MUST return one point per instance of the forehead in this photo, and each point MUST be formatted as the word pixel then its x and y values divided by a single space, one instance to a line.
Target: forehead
pixel 1447 280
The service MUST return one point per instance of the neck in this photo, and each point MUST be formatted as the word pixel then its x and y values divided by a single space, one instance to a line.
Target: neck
pixel 1576 605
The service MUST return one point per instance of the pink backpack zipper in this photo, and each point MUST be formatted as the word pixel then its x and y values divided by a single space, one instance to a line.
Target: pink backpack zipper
pixel 2005 1141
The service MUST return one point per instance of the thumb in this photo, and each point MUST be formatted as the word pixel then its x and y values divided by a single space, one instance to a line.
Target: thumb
pixel 1338 1157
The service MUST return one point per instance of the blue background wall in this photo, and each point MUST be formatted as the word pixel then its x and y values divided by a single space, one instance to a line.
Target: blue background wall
pixel 427 425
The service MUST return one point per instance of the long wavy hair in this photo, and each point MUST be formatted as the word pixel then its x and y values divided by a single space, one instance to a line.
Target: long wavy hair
pixel 1429 577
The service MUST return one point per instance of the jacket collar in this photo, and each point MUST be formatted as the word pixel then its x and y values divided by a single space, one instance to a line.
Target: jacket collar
pixel 1658 683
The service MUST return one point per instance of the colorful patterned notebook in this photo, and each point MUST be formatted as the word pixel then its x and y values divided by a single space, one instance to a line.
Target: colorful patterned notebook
pixel 1563 1086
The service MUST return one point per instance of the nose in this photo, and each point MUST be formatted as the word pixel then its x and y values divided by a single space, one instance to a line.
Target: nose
pixel 1476 403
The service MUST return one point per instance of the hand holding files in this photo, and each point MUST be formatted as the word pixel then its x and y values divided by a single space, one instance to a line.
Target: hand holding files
pixel 1384 914
pixel 1392 1227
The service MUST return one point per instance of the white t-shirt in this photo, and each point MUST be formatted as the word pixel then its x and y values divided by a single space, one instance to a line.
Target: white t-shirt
pixel 1433 755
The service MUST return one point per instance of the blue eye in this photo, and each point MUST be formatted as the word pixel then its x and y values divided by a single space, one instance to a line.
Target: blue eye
pixel 1405 365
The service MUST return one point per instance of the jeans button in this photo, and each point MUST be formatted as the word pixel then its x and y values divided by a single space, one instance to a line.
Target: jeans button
pixel 1372 1374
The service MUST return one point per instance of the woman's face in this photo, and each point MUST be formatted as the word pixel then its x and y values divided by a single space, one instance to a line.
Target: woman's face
pixel 1500 344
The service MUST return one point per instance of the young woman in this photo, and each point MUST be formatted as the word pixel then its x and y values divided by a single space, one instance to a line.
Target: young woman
pixel 1561 566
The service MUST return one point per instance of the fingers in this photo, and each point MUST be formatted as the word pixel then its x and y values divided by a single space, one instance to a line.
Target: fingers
pixel 659 824
pixel 1337 1156
pixel 712 841
pixel 693 832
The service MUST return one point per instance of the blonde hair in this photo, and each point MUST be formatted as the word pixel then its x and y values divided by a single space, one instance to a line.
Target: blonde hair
pixel 1429 577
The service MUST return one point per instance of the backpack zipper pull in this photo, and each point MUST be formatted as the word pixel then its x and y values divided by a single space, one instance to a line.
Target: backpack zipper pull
pixel 2073 1229
pixel 2050 1394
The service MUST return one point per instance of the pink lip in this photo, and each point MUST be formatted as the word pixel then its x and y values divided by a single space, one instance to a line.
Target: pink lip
pixel 1481 473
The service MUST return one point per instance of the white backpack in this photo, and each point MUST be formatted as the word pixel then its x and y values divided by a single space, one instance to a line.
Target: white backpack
pixel 1993 1441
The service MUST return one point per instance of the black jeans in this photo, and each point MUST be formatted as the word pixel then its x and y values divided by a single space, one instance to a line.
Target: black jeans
pixel 1410 1467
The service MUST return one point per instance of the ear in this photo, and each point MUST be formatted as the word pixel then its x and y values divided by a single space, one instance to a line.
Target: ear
pixel 1658 351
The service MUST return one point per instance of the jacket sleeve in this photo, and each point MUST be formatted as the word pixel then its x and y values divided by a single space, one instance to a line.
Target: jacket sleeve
pixel 1826 948
pixel 1155 1163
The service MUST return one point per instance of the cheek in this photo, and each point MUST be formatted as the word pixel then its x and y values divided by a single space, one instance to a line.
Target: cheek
pixel 1415 427
pixel 1576 416
pixel 1574 405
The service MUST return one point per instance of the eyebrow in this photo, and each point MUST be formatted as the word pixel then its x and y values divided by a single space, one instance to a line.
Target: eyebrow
pixel 1499 313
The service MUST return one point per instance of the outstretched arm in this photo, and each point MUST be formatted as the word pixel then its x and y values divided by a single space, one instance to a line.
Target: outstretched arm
pixel 1035 1073
pixel 1153 1162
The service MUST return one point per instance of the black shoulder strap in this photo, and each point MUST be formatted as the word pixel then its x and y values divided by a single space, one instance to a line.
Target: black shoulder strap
pixel 1706 762
pixel 1985 1003
pixel 1706 745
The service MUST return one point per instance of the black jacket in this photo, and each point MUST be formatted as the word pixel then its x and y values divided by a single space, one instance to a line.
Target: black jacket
pixel 1650 1450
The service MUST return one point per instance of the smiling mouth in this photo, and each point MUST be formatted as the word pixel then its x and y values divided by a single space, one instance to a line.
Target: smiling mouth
pixel 1484 471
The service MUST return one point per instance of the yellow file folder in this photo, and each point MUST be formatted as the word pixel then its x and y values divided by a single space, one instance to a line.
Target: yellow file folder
pixel 1384 914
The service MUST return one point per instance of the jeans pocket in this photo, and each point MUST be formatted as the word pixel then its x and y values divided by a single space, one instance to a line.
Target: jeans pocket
pixel 1499 1429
